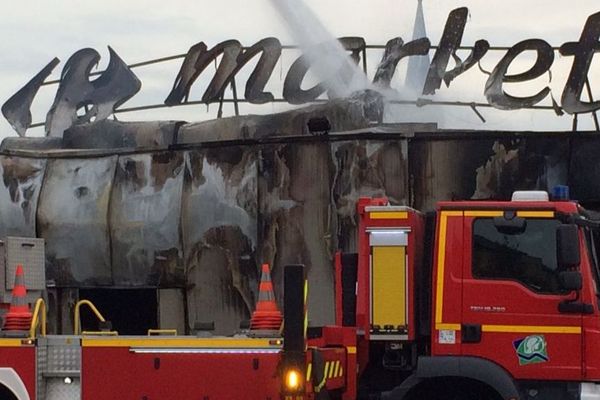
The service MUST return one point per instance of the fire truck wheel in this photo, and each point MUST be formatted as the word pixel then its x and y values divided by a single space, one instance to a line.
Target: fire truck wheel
pixel 452 389
pixel 6 393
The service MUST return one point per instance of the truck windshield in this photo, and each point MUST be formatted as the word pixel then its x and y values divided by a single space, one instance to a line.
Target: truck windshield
pixel 527 257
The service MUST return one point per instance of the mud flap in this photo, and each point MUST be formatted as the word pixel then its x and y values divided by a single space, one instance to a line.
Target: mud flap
pixel 319 379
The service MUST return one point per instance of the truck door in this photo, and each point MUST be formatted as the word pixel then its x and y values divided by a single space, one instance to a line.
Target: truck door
pixel 511 294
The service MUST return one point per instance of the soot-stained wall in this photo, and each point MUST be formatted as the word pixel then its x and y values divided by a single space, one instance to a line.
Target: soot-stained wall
pixel 203 219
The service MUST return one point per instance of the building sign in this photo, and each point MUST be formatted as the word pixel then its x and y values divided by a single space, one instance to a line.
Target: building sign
pixel 101 97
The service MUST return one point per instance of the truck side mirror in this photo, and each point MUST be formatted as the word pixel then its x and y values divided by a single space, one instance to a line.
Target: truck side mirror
pixel 570 280
pixel 567 246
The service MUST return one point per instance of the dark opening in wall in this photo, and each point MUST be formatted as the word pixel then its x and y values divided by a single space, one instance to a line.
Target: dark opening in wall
pixel 131 311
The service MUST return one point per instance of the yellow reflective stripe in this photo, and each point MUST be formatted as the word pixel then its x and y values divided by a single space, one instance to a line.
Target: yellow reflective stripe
pixel 441 262
pixel 530 329
pixel 516 328
pixel 305 312
pixel 12 342
pixel 448 327
pixel 351 349
pixel 341 371
pixel 308 371
pixel 439 325
pixel 484 213
pixel 499 213
pixel 158 341
pixel 535 214
pixel 388 215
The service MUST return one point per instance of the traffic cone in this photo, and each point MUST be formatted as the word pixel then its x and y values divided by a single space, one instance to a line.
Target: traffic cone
pixel 266 316
pixel 18 317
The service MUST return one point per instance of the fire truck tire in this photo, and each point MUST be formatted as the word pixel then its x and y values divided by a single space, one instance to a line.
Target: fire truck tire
pixel 6 393
pixel 469 368
pixel 456 378
pixel 12 385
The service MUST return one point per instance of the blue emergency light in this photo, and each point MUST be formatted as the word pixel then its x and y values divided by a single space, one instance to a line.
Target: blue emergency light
pixel 560 193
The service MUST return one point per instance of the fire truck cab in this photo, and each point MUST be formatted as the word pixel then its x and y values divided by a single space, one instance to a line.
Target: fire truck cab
pixel 502 303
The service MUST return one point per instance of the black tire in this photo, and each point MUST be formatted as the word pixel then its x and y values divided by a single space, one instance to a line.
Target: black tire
pixel 6 393
pixel 452 389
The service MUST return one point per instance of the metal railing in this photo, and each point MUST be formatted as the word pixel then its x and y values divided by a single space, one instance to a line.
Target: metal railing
pixel 77 317
pixel 40 308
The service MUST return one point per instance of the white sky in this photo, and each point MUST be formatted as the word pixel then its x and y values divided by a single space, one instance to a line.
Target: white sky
pixel 33 32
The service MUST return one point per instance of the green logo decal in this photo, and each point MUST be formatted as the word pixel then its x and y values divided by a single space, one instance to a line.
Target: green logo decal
pixel 531 349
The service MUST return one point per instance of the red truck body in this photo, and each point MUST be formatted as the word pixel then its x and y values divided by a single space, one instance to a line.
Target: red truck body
pixel 492 300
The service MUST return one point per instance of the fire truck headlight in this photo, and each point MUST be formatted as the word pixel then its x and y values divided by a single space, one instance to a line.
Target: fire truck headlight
pixel 68 380
pixel 292 380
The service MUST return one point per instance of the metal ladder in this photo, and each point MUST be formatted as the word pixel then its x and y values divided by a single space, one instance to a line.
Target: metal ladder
pixel 59 367
pixel 58 357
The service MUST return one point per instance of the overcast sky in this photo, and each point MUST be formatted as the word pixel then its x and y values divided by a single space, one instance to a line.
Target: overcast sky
pixel 34 32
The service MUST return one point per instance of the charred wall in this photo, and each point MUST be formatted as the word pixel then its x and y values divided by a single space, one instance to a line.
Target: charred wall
pixel 203 218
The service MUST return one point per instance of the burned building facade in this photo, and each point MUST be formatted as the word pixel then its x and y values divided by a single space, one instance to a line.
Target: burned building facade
pixel 179 217
pixel 166 224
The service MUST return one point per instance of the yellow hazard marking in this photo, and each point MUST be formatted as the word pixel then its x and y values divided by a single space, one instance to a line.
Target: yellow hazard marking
pixel 388 215
pixel 341 371
pixel 308 371
pixel 337 369
pixel 158 341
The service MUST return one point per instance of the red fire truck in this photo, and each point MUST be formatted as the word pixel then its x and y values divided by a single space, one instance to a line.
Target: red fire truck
pixel 479 300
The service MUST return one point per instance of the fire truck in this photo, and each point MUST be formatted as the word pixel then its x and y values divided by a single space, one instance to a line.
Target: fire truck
pixel 477 300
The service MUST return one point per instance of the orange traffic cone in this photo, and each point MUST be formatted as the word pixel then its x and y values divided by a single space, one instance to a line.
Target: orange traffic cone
pixel 18 317
pixel 266 316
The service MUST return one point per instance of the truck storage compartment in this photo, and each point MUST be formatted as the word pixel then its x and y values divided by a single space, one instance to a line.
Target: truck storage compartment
pixel 389 291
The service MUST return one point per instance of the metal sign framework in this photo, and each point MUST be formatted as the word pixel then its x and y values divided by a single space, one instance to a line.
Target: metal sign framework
pixel 103 97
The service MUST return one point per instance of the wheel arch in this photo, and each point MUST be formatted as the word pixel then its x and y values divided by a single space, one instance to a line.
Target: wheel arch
pixel 11 382
pixel 471 368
